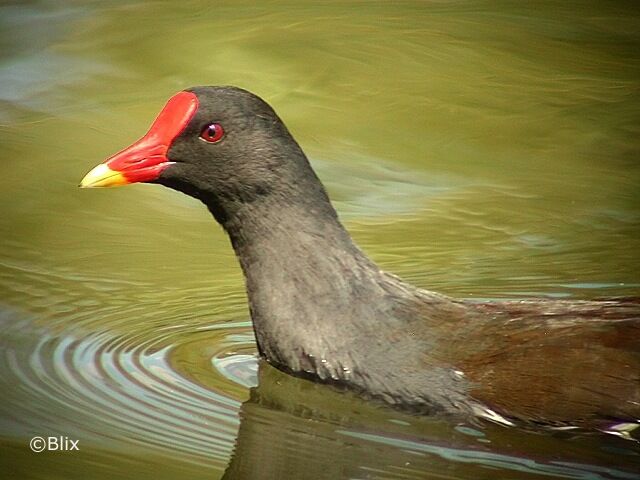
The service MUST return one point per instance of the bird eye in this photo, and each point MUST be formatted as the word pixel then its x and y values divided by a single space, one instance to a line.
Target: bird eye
pixel 212 133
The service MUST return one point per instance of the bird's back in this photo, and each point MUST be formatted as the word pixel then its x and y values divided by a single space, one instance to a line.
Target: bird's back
pixel 557 363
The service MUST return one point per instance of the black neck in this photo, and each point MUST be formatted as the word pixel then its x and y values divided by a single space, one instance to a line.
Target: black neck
pixel 302 270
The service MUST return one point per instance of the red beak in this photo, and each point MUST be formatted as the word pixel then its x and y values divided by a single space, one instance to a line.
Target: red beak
pixel 147 158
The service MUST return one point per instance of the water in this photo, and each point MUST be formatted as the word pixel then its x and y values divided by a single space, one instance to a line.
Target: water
pixel 480 149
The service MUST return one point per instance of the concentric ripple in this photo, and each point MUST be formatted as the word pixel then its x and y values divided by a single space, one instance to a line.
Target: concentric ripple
pixel 129 390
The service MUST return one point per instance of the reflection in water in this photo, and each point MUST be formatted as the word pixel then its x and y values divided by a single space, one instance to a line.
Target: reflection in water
pixel 164 397
pixel 480 149
pixel 292 428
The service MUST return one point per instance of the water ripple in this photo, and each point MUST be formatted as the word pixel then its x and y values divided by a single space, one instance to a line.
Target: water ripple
pixel 130 389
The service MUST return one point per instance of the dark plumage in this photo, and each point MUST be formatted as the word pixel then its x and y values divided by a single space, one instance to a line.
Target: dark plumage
pixel 323 310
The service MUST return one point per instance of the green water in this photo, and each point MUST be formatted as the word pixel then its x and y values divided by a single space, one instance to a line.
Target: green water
pixel 480 149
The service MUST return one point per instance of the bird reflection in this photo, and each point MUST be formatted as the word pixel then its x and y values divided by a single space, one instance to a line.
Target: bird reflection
pixel 292 429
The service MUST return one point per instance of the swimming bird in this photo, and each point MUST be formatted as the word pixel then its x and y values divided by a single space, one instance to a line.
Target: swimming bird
pixel 321 309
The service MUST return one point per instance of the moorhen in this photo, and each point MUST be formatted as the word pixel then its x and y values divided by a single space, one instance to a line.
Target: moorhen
pixel 321 309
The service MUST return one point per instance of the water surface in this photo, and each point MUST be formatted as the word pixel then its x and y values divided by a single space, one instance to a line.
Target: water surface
pixel 480 149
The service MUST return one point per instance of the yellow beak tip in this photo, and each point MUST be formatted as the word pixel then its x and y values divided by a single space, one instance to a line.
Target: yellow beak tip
pixel 102 176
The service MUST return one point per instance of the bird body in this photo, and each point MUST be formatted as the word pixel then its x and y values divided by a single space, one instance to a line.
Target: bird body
pixel 321 309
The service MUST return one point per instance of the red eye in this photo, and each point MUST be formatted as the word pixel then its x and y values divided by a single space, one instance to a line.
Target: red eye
pixel 212 133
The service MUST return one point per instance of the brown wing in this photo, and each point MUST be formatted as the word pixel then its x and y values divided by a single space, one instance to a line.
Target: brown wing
pixel 574 363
